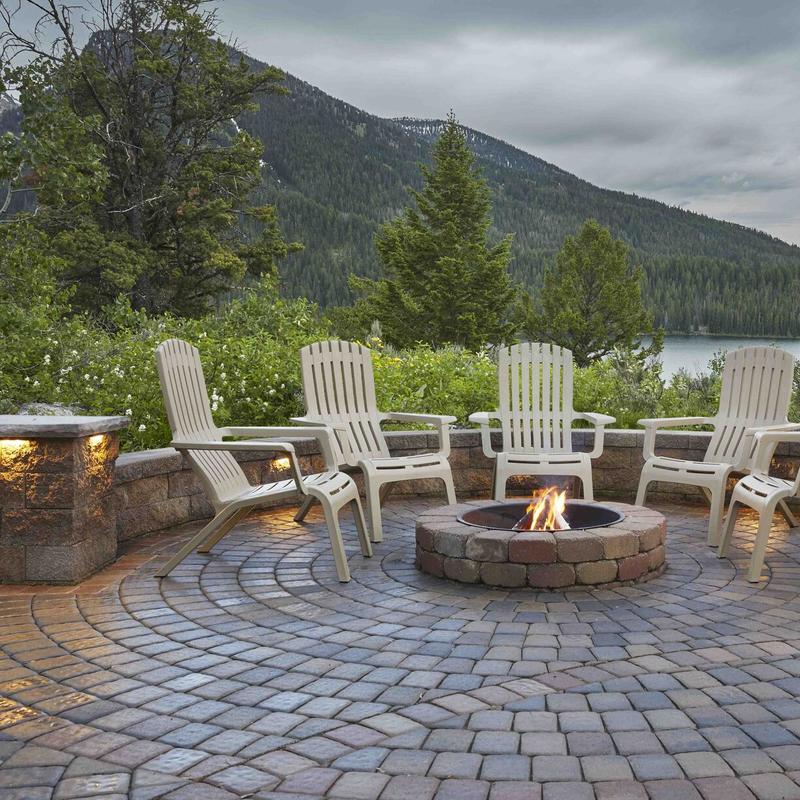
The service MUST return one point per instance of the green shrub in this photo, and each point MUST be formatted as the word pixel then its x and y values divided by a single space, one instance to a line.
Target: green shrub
pixel 249 353
pixel 250 356
pixel 449 380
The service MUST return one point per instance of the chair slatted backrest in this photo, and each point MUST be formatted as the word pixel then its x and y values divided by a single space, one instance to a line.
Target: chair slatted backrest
pixel 189 413
pixel 536 413
pixel 756 390
pixel 339 387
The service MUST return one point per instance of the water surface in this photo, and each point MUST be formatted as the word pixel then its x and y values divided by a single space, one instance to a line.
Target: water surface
pixel 694 352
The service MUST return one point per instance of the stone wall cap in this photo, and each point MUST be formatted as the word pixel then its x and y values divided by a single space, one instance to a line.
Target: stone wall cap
pixel 57 427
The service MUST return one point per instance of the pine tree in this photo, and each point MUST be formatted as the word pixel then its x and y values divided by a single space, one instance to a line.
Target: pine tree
pixel 591 300
pixel 143 178
pixel 446 282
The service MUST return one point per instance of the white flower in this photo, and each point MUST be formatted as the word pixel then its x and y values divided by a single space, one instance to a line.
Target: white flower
pixel 272 391
pixel 36 383
pixel 47 358
pixel 214 406
pixel 142 428
pixel 86 376
pixel 128 411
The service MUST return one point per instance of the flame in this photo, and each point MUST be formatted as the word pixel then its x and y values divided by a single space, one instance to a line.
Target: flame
pixel 545 512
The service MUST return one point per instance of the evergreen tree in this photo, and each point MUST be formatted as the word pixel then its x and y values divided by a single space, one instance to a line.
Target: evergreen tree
pixel 446 282
pixel 141 174
pixel 591 300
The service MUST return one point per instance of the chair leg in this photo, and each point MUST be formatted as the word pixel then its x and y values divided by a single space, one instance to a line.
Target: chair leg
pixel 641 492
pixel 305 507
pixel 727 529
pixel 337 545
pixel 790 518
pixel 385 491
pixel 361 528
pixel 373 499
pixel 198 539
pixel 500 480
pixel 587 485
pixel 760 547
pixel 222 530
pixel 449 488
pixel 715 515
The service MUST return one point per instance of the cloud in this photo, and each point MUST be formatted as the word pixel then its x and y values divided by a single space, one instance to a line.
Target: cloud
pixel 692 103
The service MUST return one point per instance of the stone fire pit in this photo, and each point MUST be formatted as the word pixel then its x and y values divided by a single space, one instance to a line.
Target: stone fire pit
pixel 628 551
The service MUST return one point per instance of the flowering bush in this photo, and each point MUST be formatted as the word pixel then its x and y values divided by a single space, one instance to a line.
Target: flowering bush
pixel 249 353
pixel 251 362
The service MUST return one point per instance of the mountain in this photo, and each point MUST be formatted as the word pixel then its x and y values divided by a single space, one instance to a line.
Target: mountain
pixel 336 173
pixel 7 102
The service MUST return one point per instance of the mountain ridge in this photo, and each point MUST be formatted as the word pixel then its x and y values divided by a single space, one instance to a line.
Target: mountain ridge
pixel 337 172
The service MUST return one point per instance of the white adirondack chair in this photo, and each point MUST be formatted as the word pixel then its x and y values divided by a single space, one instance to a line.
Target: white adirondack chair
pixel 755 394
pixel 762 492
pixel 339 389
pixel 536 416
pixel 233 497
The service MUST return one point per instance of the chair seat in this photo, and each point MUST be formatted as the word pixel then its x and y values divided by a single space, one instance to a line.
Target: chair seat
pixel 757 490
pixel 545 458
pixel 407 463
pixel 329 484
pixel 681 470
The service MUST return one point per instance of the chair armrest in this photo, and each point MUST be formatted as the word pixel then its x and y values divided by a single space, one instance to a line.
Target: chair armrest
pixel 434 420
pixel 251 446
pixel 439 421
pixel 652 425
pixel 318 423
pixel 484 418
pixel 766 440
pixel 321 432
pixel 783 426
pixel 675 422
pixel 599 421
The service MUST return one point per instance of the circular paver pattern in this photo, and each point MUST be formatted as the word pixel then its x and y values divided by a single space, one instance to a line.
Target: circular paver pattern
pixel 252 672
pixel 625 552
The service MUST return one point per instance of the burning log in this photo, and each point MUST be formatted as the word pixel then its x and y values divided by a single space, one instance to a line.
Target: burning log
pixel 545 513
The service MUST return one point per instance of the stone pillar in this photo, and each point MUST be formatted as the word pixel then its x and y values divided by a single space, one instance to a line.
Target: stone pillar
pixel 57 515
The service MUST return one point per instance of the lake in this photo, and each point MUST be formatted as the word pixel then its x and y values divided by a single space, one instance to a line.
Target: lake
pixel 694 352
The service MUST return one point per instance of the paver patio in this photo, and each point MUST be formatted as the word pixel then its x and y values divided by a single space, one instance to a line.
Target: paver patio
pixel 254 673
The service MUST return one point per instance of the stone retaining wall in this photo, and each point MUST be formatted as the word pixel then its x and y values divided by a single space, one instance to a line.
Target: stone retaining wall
pixel 155 489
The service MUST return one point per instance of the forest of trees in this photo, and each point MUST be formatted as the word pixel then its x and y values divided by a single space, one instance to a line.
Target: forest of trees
pixel 336 174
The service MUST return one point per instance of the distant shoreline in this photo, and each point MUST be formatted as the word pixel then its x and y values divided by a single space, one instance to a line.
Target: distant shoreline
pixel 729 336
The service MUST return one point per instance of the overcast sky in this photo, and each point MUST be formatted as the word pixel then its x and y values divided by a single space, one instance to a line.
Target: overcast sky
pixel 696 103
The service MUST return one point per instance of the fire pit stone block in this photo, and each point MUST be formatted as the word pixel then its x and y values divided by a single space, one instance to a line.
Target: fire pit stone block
pixel 488 545
pixel 578 546
pixel 625 552
pixel 532 548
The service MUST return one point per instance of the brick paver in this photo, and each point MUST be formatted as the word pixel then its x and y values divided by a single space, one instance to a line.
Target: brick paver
pixel 253 672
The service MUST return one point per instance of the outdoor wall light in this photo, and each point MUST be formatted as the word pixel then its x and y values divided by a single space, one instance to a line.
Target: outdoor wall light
pixel 281 464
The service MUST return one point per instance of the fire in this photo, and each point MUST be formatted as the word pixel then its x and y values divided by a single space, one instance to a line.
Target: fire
pixel 545 512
